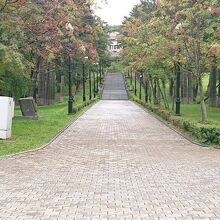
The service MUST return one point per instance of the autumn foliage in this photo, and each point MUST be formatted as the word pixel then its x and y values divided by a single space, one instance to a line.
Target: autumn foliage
pixel 161 34
pixel 34 33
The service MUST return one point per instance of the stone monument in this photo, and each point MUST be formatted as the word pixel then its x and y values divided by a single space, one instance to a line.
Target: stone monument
pixel 28 108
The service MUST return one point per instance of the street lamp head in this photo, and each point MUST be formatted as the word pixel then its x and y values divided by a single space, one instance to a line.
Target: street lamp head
pixel 83 48
pixel 69 27
pixel 84 59
pixel 178 26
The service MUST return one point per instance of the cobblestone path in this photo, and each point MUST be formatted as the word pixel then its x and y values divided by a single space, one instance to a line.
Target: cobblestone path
pixel 115 162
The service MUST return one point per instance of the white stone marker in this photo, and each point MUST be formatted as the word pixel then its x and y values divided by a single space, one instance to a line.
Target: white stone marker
pixel 6 115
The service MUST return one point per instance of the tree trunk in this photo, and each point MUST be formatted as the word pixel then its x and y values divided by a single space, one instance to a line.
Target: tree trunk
pixel 34 74
pixel 48 85
pixel 53 76
pixel 199 74
pixel 184 87
pixel 52 84
pixel 190 88
pixel 146 91
pixel 218 101
pixel 50 90
pixel 195 91
pixel 212 86
pixel 33 82
pixel 158 92
pixel 155 93
pixel 150 89
pixel 42 84
pixel 163 93
pixel 78 81
pixel 202 100
pixel 62 88
pixel 171 88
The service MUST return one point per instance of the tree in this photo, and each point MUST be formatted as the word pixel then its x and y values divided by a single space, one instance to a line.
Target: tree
pixel 157 35
pixel 34 35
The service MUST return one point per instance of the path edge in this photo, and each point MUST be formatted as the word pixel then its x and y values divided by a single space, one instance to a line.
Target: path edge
pixel 42 147
pixel 175 129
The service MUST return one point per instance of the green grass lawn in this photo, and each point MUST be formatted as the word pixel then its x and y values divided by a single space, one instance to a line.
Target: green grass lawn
pixel 31 134
pixel 192 112
pixel 189 122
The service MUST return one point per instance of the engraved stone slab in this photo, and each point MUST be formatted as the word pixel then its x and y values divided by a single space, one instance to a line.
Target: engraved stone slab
pixel 28 108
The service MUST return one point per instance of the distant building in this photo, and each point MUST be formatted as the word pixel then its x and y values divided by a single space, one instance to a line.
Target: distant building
pixel 114 47
pixel 215 10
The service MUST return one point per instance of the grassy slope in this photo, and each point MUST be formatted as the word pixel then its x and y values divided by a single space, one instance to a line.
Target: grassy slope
pixel 30 134
pixel 192 111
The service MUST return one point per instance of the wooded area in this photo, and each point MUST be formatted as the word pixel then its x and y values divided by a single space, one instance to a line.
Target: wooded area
pixel 39 39
pixel 162 37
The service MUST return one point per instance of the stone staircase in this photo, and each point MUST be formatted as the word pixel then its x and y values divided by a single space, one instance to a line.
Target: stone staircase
pixel 114 87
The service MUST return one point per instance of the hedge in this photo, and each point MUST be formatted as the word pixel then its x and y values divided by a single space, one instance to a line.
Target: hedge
pixel 84 104
pixel 206 135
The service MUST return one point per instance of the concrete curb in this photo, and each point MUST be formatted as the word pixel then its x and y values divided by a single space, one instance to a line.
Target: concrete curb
pixel 23 153
pixel 174 128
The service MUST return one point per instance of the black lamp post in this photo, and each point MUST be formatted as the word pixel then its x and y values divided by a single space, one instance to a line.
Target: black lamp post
pixel 90 85
pixel 100 73
pixel 131 78
pixel 94 85
pixel 135 83
pixel 103 72
pixel 178 72
pixel 141 78
pixel 146 91
pixel 84 87
pixel 69 28
pixel 70 99
pixel 83 71
pixel 97 79
pixel 178 88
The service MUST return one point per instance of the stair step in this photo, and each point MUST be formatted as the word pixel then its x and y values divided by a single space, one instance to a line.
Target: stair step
pixel 114 87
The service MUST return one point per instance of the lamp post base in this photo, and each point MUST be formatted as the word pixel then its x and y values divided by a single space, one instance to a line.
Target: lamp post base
pixel 70 106
pixel 178 107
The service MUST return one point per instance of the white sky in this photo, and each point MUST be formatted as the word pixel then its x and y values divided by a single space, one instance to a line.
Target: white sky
pixel 114 11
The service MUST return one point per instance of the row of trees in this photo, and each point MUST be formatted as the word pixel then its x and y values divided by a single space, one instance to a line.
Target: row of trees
pixel 37 40
pixel 162 37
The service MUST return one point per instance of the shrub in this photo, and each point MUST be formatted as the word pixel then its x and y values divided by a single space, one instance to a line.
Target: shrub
pixel 75 109
pixel 210 135
pixel 204 134
pixel 187 126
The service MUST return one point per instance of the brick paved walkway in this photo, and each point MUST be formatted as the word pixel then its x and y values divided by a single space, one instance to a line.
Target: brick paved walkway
pixel 114 162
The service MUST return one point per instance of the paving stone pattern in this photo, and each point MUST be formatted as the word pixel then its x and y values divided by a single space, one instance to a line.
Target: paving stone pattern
pixel 115 162
pixel 114 87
